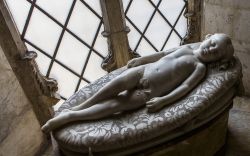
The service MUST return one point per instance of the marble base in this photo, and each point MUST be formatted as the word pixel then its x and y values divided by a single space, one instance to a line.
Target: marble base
pixel 137 131
pixel 204 141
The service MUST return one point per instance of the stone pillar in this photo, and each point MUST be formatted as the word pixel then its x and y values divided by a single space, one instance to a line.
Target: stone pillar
pixel 193 15
pixel 115 30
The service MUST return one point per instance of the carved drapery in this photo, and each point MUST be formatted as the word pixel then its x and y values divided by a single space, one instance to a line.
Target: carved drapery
pixel 41 91
pixel 193 15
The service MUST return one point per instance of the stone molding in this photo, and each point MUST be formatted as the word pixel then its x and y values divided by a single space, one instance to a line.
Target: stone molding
pixel 48 86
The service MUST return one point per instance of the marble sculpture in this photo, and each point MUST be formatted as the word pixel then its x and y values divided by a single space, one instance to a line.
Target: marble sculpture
pixel 153 81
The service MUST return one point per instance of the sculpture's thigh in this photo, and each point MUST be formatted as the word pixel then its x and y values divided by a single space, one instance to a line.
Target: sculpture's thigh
pixel 135 99
pixel 132 75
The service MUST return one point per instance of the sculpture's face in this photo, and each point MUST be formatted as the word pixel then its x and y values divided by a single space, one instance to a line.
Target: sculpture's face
pixel 212 49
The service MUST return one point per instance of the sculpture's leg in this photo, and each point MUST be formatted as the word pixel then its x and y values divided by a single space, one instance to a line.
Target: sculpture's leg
pixel 95 112
pixel 124 102
pixel 126 81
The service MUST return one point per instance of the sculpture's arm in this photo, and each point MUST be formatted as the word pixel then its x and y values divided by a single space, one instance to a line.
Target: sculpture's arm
pixel 158 102
pixel 150 58
pixel 155 57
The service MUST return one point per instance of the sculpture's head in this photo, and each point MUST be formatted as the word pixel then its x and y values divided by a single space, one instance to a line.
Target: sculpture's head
pixel 217 47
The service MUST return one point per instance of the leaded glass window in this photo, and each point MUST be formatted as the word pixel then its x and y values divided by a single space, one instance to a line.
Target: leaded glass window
pixel 156 25
pixel 66 34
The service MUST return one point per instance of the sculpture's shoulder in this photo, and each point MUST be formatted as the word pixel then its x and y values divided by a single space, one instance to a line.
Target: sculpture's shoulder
pixel 193 45
pixel 185 50
pixel 172 50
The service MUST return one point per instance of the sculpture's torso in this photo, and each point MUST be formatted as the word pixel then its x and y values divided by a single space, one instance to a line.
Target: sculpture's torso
pixel 169 72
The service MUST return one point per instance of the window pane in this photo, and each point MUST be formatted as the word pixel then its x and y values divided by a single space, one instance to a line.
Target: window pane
pixel 42 60
pixel 66 80
pixel 158 31
pixel 59 9
pixel 171 9
pixel 43 32
pixel 156 1
pixel 145 48
pixel 140 12
pixel 72 53
pixel 95 5
pixel 93 70
pixel 101 44
pixel 19 10
pixel 83 23
pixel 181 25
pixel 162 23
pixel 133 36
pixel 173 41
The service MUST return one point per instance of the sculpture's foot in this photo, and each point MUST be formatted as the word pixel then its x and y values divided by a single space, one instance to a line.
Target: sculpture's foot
pixel 53 124
pixel 56 122
pixel 46 128
pixel 155 104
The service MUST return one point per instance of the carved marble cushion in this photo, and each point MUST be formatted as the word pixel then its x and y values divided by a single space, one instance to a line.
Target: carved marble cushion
pixel 138 127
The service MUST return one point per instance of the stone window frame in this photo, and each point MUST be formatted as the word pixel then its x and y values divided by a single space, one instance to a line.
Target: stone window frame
pixel 40 90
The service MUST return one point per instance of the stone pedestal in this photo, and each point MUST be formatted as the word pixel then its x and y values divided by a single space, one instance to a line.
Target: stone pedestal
pixel 204 141
pixel 195 125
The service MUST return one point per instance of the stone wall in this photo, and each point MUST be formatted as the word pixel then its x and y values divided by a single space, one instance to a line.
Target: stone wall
pixel 20 133
pixel 233 18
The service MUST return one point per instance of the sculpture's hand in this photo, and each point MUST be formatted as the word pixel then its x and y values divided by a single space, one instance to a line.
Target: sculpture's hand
pixel 134 63
pixel 155 104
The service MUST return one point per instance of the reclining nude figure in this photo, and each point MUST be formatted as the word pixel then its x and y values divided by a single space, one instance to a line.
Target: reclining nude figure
pixel 155 81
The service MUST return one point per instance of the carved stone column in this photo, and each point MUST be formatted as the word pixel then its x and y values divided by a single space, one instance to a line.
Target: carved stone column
pixel 193 15
pixel 38 89
pixel 115 30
